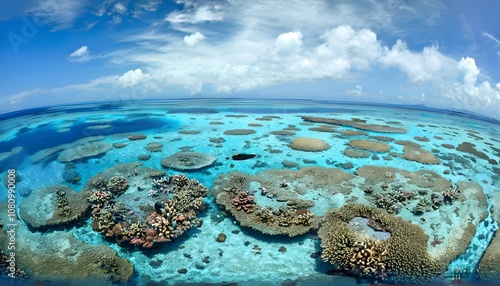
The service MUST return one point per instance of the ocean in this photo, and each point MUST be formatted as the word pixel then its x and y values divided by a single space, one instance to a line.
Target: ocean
pixel 249 192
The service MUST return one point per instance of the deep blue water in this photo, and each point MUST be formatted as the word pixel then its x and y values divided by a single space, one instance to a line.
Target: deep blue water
pixel 33 140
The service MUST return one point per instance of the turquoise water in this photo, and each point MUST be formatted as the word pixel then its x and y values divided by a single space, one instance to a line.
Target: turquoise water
pixel 436 171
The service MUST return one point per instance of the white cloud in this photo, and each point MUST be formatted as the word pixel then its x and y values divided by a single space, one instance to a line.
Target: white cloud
pixel 132 78
pixel 21 96
pixel 200 14
pixel 120 8
pixel 491 37
pixel 193 39
pixel 469 69
pixel 471 95
pixel 288 44
pixel 81 54
pixel 59 13
pixel 150 5
pixel 116 10
pixel 357 91
pixel 419 67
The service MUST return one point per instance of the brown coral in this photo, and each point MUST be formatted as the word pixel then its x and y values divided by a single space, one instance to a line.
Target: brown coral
pixel 450 194
pixel 283 220
pixel 244 201
pixel 117 185
pixel 402 258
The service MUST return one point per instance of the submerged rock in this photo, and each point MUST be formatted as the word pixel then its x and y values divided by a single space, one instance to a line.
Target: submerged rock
pixel 241 156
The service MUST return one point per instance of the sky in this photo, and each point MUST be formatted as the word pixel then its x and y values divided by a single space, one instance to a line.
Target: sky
pixel 443 54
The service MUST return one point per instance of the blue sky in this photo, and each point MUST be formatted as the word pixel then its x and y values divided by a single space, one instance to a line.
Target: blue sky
pixel 430 52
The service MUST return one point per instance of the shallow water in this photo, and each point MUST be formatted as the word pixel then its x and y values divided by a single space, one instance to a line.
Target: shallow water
pixel 438 171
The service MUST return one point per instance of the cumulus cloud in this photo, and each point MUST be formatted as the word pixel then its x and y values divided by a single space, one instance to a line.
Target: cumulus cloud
pixel 81 54
pixel 288 43
pixel 419 66
pixel 193 39
pixel 469 69
pixel 471 95
pixel 132 78
pixel 357 91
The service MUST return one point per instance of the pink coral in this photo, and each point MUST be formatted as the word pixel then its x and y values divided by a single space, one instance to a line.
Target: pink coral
pixel 244 201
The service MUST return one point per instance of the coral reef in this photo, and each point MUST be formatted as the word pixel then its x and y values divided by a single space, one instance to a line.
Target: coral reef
pixel 170 220
pixel 8 271
pixel 239 132
pixel 309 144
pixel 88 150
pixel 355 124
pixel 402 258
pixel 137 137
pixel 450 194
pixel 146 225
pixel 154 147
pixel 422 206
pixel 54 206
pixel 188 161
pixel 370 145
pixel 284 220
pixel 58 256
pixel 419 155
pixel 117 185
pixel 490 262
pixel 243 201
pixel 353 153
pixel 389 202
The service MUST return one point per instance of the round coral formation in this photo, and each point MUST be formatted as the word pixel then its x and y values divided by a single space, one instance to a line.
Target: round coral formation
pixel 370 145
pixel 402 258
pixel 188 161
pixel 117 184
pixel 54 206
pixel 88 150
pixel 309 144
pixel 419 155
